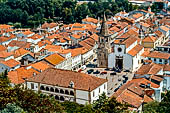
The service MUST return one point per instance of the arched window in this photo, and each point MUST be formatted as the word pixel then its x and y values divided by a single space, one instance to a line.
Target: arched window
pixel 71 93
pixel 52 89
pixel 42 88
pixel 51 95
pixel 57 97
pixel 61 91
pixel 56 90
pixel 47 89
pixel 66 92
pixel 62 98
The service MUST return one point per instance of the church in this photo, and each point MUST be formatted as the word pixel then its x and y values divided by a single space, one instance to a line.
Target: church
pixel 125 51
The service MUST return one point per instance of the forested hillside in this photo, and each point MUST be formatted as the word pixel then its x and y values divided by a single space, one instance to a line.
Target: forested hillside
pixel 31 13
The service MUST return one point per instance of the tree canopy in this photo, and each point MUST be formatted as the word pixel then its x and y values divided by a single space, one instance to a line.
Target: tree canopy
pixel 31 13
pixel 17 99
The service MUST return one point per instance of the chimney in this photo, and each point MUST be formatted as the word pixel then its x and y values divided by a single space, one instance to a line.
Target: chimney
pixel 34 74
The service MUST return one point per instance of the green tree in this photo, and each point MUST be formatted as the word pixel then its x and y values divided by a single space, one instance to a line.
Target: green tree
pixel 12 108
pixel 152 107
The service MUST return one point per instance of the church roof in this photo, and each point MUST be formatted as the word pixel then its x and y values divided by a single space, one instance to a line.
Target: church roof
pixel 104 28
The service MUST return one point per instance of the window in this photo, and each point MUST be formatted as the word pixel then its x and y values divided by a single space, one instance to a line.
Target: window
pixel 99 90
pixel 52 89
pixel 155 59
pixel 61 91
pixel 166 61
pixel 32 86
pixel 56 90
pixel 71 93
pixel 66 92
pixel 47 89
pixel 119 49
pixel 160 60
pixel 149 58
pixel 104 87
pixel 42 88
pixel 57 97
pixel 93 93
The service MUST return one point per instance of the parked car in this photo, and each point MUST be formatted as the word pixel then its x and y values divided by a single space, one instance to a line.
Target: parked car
pixel 119 79
pixel 107 69
pixel 126 71
pixel 83 67
pixel 104 72
pixel 96 72
pixel 79 70
pixel 124 81
pixel 94 60
pixel 118 71
pixel 124 76
pixel 114 73
pixel 90 71
pixel 113 69
pixel 91 65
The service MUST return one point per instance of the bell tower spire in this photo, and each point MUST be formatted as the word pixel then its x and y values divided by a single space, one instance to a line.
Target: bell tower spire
pixel 103 49
pixel 104 27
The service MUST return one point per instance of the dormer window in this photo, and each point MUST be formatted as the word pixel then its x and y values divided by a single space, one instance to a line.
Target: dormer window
pixel 71 84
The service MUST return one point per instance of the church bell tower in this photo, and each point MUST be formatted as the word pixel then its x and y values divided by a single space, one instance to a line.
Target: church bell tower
pixel 103 45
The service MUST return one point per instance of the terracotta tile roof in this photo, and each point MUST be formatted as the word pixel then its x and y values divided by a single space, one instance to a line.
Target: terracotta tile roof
pixel 156 54
pixel 67 38
pixel 157 78
pixel 4 54
pixel 158 33
pixel 53 48
pixel 164 28
pixel 95 37
pixel 49 25
pixel 4 26
pixel 17 43
pixel 130 98
pixel 76 36
pixel 146 52
pixel 20 52
pixel 17 76
pixel 114 29
pixel 10 63
pixel 40 66
pixel 4 38
pixel 145 25
pixel 63 78
pixel 27 32
pixel 77 29
pixel 151 69
pixel 86 45
pixel 166 67
pixel 89 19
pixel 55 59
pixel 78 51
pixel 35 37
pixel 134 51
pixel 2 48
pixel 129 42
pixel 41 43
pixel 53 36
pixel 137 15
pixel 147 99
pixel 149 39
pixel 149 92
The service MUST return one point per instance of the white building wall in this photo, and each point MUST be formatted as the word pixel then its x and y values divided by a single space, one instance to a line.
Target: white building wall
pixel 82 97
pixel 128 62
pixel 35 86
pixel 95 93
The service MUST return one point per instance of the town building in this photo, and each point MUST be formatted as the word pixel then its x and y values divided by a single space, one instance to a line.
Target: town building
pixel 68 85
